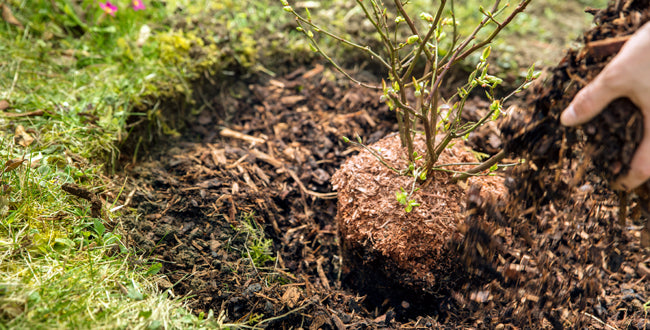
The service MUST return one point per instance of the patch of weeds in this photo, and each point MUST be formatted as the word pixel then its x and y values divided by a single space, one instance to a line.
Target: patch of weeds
pixel 258 249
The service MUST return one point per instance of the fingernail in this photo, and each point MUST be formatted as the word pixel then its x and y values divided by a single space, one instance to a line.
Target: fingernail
pixel 568 117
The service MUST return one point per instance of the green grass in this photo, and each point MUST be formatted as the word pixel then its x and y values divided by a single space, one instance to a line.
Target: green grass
pixel 59 267
pixel 258 248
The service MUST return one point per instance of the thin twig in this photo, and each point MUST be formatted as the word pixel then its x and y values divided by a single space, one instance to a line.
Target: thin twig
pixel 279 317
pixel 600 321
pixel 478 169
pixel 379 157
pixel 423 42
pixel 337 38
pixel 496 31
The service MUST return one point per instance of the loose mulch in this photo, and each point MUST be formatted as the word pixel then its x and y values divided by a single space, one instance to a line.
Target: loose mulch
pixel 561 253
pixel 555 254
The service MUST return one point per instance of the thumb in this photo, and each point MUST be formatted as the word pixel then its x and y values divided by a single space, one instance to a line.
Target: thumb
pixel 589 102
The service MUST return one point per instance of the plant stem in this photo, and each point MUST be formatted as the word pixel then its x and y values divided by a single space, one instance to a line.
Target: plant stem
pixel 500 26
pixel 366 49
pixel 423 42
pixel 484 166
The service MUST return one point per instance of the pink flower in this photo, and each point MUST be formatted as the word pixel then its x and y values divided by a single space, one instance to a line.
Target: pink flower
pixel 138 4
pixel 108 8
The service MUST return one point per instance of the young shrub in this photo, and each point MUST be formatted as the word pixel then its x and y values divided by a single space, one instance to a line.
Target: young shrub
pixel 418 65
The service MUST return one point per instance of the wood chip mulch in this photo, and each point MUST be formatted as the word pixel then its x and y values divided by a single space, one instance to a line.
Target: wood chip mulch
pixel 555 255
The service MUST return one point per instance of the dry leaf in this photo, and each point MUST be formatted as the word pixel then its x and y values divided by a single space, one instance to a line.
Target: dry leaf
pixel 12 164
pixel 4 104
pixel 291 296
pixel 9 17
pixel 21 137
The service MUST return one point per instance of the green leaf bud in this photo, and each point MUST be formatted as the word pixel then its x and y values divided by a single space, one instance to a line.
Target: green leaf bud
pixel 495 106
pixel 288 9
pixel 426 16
pixel 531 71
pixel 486 53
pixel 401 196
pixel 412 39
pixel 494 80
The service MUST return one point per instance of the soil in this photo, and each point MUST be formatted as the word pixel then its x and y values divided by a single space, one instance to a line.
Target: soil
pixel 555 254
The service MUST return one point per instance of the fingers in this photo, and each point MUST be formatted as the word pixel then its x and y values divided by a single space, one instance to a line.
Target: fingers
pixel 640 166
pixel 589 102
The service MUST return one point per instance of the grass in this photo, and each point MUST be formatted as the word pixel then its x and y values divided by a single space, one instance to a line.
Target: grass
pixel 258 248
pixel 59 267
pixel 93 75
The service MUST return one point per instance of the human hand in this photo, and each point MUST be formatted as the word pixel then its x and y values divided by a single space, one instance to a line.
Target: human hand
pixel 627 75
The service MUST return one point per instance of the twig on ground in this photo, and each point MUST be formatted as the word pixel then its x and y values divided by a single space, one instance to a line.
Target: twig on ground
pixel 81 192
pixel 227 132
pixel 279 317
pixel 600 321
pixel 280 165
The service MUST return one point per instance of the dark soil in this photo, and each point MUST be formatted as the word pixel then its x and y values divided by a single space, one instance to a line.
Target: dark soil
pixel 554 255
pixel 194 195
